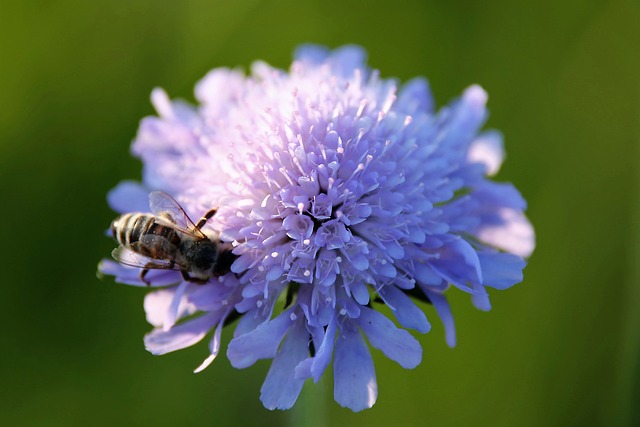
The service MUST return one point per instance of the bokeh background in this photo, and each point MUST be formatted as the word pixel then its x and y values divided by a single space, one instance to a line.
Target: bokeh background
pixel 560 349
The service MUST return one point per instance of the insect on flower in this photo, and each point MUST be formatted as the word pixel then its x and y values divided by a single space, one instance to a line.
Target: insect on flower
pixel 168 239
pixel 338 191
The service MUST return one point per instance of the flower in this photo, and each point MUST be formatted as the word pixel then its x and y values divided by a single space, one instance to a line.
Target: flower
pixel 338 190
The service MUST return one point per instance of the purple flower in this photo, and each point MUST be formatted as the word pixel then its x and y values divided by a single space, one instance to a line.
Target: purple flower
pixel 338 190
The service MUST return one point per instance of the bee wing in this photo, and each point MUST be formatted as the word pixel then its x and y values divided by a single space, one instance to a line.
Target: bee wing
pixel 128 257
pixel 134 259
pixel 168 209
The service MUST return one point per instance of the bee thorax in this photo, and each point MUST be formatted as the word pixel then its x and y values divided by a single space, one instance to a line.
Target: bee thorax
pixel 201 255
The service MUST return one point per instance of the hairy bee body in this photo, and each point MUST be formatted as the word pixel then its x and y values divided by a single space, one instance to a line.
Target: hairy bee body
pixel 168 239
pixel 129 228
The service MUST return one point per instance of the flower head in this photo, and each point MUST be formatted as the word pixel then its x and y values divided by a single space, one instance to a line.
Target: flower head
pixel 338 190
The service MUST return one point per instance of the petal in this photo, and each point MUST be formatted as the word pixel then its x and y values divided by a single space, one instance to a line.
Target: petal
pixel 162 103
pixel 480 297
pixel 415 97
pixel 499 194
pixel 214 346
pixel 343 61
pixel 487 149
pixel 397 344
pixel 156 306
pixel 403 308
pixel 173 313
pixel 425 275
pixel 242 263
pixel 443 309
pixel 346 59
pixel 166 306
pixel 458 263
pixel 360 292
pixel 261 343
pixel 324 353
pixel 312 53
pixel 220 86
pixel 354 376
pixel 129 196
pixel 281 388
pixel 318 335
pixel 298 226
pixel 468 114
pixel 184 335
pixel 501 270
pixel 250 321
pixel 515 233
pixel 131 275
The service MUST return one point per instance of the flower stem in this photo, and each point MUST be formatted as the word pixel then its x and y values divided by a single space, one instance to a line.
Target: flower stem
pixel 310 409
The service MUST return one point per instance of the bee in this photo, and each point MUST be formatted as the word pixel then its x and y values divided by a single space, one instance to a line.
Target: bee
pixel 167 239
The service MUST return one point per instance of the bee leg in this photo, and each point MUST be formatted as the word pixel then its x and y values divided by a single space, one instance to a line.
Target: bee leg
pixel 205 218
pixel 143 275
pixel 196 280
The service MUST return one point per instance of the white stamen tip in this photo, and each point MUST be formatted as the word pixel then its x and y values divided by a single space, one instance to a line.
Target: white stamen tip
pixel 293 316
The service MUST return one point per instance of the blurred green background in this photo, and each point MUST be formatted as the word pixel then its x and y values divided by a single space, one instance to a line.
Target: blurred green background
pixel 560 349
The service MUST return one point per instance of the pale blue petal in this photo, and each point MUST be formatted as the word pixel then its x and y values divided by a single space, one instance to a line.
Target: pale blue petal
pixel 129 196
pixel 512 232
pixel 403 308
pixel 343 60
pixel 131 275
pixel 480 297
pixel 312 53
pixel 443 309
pixel 468 115
pixel 488 150
pixel 181 336
pixel 397 344
pixel 501 270
pixel 415 97
pixel 458 263
pixel 250 321
pixel 214 347
pixel 261 343
pixel 354 376
pixel 281 387
pixel 323 354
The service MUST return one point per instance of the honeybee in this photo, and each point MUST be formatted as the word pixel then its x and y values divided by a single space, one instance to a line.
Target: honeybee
pixel 166 238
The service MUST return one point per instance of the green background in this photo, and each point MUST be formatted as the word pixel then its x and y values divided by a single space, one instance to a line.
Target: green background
pixel 560 349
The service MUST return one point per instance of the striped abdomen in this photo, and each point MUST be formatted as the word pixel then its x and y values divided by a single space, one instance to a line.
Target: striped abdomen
pixel 129 229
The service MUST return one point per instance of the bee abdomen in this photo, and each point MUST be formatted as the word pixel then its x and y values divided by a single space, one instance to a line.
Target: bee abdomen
pixel 162 230
pixel 129 228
